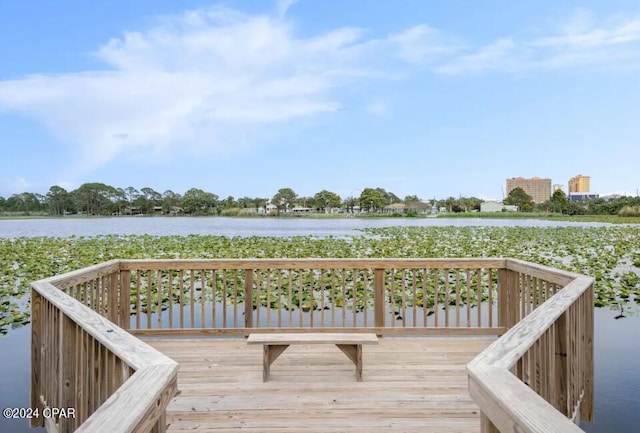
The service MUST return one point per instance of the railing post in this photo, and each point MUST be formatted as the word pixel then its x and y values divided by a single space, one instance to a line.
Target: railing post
pixel 508 298
pixel 486 426
pixel 559 400
pixel 248 298
pixel 378 298
pixel 67 372
pixel 586 409
pixel 125 299
pixel 113 297
pixel 161 425
pixel 36 358
pixel 503 297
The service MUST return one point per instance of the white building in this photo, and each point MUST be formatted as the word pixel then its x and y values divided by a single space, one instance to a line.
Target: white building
pixel 496 206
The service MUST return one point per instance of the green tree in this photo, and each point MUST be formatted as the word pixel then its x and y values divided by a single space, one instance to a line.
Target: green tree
pixel 285 199
pixel 326 200
pixel 229 202
pixel 170 200
pixel 95 198
pixel 558 201
pixel 198 202
pixel 519 198
pixel 372 199
pixel 131 194
pixel 450 203
pixel 59 200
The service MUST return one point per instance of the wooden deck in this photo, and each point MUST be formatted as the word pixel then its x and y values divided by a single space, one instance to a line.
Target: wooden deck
pixel 410 385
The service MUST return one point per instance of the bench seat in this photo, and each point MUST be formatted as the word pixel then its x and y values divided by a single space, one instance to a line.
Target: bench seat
pixel 349 343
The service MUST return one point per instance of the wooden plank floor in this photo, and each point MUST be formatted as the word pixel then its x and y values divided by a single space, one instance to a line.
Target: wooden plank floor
pixel 410 385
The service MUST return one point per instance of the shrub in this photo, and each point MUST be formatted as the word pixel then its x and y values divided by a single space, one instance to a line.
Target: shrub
pixel 629 211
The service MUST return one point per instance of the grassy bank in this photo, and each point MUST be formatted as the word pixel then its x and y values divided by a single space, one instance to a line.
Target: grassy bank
pixel 613 219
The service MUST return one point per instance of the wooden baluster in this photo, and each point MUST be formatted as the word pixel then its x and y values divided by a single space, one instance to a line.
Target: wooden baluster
pixel 414 285
pixel 248 298
pixel 458 297
pixel 159 297
pixel 447 290
pixel 290 299
pixel 124 300
pixel 425 298
pixel 344 297
pixel 379 298
pixel 586 410
pixel 37 322
pixel 170 297
pixel 467 297
pixel 203 298
pixel 192 297
pixel 435 297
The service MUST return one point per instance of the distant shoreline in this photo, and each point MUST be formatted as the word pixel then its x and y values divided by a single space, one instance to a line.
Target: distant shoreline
pixel 614 219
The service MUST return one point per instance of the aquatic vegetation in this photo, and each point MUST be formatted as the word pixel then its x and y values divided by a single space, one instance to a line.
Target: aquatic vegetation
pixel 610 254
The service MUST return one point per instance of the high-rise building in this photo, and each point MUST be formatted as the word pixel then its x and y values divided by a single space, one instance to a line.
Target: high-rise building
pixel 579 183
pixel 539 189
pixel 557 187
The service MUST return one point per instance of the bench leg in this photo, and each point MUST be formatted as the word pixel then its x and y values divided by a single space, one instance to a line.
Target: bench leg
pixel 269 354
pixel 354 353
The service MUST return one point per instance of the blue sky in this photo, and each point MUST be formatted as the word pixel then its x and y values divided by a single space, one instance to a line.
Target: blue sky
pixel 242 98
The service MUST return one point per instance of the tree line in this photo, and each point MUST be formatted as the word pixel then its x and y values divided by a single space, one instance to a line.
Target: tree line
pixel 560 203
pixel 101 199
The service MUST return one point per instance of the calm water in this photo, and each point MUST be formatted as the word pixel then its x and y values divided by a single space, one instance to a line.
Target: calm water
pixel 63 227
pixel 617 342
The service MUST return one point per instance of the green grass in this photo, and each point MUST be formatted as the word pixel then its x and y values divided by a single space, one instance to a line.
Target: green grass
pixel 614 219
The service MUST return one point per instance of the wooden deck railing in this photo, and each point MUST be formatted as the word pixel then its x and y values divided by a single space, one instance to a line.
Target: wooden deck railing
pixel 538 377
pixel 84 357
pixel 87 374
pixel 391 296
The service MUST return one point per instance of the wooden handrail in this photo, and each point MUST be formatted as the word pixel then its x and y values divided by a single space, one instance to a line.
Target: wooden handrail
pixel 82 360
pixel 520 382
pixel 310 263
pixel 377 293
pixel 506 402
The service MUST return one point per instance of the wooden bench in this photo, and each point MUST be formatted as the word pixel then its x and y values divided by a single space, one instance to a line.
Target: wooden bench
pixel 274 344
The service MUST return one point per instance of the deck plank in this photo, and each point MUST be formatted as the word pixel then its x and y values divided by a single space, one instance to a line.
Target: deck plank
pixel 410 385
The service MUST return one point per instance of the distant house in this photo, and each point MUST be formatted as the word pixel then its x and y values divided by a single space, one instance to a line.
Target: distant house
pixel 497 206
pixel 269 208
pixel 300 209
pixel 395 208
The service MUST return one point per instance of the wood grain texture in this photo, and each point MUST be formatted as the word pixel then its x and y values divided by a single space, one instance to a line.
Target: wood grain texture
pixel 84 361
pixel 536 376
pixel 313 338
pixel 311 263
pixel 411 385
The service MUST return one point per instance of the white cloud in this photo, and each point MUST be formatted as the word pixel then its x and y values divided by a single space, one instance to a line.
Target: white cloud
pixel 424 44
pixel 581 41
pixel 191 79
pixel 496 55
pixel 203 80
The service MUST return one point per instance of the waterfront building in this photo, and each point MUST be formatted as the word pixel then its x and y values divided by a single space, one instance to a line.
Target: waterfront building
pixel 580 184
pixel 538 188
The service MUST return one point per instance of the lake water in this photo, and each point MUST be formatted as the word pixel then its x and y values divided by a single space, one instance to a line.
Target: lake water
pixel 283 227
pixel 617 342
